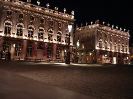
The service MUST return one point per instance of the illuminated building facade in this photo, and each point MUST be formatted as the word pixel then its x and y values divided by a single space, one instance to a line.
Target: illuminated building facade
pixel 31 32
pixel 100 43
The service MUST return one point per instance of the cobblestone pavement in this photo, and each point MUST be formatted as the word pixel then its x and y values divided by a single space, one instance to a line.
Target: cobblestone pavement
pixel 103 82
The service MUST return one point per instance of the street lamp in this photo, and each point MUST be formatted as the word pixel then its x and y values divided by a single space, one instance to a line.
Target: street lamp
pixel 67 61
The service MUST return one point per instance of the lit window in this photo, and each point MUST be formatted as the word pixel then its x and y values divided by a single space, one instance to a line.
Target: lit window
pixel 7 28
pixel 67 38
pixel 18 49
pixel 19 30
pixel 50 35
pixel 78 44
pixel 126 49
pixel 100 44
pixel 40 34
pixel 30 32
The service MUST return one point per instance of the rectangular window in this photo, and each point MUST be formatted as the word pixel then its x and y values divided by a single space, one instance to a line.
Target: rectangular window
pixel 40 35
pixel 7 30
pixel 50 37
pixel 58 52
pixel 29 51
pixel 17 49
pixel 100 44
pixel 67 39
pixel 30 34
pixel 49 51
pixel 19 32
pixel 59 38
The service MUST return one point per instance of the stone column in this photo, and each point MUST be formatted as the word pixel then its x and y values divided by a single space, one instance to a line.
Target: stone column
pixel 54 51
pixel 34 50
pixel 24 49
pixel 12 51
pixel 62 54
pixel 1 43
pixel 45 51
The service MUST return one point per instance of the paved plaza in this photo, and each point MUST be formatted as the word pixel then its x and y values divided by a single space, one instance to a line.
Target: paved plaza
pixel 40 80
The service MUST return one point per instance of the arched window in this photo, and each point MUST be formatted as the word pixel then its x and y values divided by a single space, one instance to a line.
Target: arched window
pixel 50 35
pixel 40 33
pixel 7 29
pixel 59 37
pixel 30 32
pixel 19 30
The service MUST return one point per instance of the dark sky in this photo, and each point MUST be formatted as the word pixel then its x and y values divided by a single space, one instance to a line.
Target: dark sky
pixel 116 12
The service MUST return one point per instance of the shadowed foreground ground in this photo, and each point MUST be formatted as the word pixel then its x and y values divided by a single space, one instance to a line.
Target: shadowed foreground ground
pixel 101 82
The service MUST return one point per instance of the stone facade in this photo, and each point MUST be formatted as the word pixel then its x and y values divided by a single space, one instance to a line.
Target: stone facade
pixel 31 32
pixel 100 43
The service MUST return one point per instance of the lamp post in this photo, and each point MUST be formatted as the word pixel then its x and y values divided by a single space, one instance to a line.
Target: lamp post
pixel 67 61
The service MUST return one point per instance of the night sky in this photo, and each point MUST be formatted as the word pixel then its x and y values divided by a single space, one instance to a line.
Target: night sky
pixel 116 12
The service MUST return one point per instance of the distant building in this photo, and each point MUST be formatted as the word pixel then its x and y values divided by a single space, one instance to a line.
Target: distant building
pixel 99 43
pixel 31 32
pixel 131 54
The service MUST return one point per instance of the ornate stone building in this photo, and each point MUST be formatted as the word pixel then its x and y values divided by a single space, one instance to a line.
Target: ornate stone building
pixel 31 32
pixel 100 43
